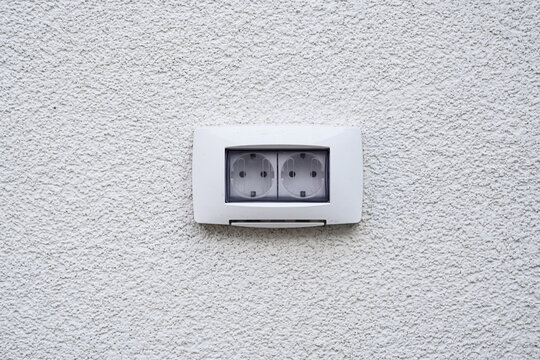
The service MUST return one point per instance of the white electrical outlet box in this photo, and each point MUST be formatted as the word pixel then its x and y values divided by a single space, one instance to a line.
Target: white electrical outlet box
pixel 277 176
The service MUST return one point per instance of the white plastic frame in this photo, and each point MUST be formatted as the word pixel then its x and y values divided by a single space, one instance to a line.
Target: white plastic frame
pixel 345 172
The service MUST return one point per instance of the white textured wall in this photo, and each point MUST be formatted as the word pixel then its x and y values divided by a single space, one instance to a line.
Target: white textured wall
pixel 99 253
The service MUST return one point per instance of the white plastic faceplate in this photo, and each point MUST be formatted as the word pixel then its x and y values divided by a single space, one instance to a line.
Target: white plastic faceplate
pixel 345 171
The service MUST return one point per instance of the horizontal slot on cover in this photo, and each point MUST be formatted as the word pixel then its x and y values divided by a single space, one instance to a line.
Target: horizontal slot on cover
pixel 277 223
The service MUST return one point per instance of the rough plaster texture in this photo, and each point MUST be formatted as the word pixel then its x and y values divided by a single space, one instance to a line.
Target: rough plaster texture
pixel 99 253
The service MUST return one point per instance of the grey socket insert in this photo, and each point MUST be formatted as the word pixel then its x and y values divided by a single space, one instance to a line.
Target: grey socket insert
pixel 279 175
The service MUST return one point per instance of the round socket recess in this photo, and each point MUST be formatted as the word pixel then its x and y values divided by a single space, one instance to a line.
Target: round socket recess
pixel 302 175
pixel 252 175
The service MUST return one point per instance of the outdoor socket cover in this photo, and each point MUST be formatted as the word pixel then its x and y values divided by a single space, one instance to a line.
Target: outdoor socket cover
pixel 277 176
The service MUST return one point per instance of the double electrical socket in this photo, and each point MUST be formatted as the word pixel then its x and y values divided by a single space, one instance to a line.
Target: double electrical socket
pixel 277 175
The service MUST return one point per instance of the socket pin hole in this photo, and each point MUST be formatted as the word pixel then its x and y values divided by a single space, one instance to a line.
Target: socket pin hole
pixel 264 174
pixel 313 174
pixel 253 193
pixel 292 173
pixel 242 173
pixel 303 155
pixel 253 156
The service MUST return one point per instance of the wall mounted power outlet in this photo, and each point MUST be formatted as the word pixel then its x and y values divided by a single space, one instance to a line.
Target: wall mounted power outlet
pixel 304 175
pixel 277 175
pixel 251 176
pixel 283 176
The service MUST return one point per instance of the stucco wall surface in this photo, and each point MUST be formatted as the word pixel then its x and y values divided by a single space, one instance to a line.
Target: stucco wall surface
pixel 99 253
